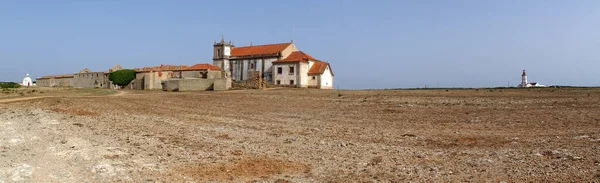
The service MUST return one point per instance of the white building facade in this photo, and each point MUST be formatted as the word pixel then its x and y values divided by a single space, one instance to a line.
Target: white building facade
pixel 27 81
pixel 279 64
pixel 302 70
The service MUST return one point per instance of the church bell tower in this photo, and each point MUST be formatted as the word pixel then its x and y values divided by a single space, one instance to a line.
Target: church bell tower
pixel 221 54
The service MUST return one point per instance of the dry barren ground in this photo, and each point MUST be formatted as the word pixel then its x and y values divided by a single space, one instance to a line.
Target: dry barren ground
pixel 303 135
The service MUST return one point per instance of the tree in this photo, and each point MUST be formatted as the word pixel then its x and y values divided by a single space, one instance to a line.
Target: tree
pixel 122 77
pixel 10 85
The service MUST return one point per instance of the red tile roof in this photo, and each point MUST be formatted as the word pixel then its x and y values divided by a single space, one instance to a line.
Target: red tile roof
pixel 162 67
pixel 318 68
pixel 297 56
pixel 259 50
pixel 203 67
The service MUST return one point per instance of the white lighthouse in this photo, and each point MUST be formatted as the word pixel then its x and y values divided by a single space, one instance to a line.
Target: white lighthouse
pixel 524 78
pixel 27 81
pixel 526 84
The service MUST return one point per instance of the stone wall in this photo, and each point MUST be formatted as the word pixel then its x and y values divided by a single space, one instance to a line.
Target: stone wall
pixel 215 74
pixel 91 80
pixel 171 85
pixel 221 84
pixel 137 84
pixel 153 80
pixel 55 82
pixel 198 84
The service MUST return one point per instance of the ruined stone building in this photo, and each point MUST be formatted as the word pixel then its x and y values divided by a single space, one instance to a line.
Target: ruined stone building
pixel 64 80
pixel 181 78
pixel 83 79
pixel 279 64
pixel 88 79
pixel 150 78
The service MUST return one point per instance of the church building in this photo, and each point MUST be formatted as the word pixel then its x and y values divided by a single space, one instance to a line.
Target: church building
pixel 279 64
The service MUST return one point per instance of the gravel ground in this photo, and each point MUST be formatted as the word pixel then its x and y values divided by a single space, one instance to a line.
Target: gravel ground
pixel 303 135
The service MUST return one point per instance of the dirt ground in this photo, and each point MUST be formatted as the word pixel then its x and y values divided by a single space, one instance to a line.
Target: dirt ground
pixel 301 135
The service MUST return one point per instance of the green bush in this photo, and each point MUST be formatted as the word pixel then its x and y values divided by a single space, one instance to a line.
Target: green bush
pixel 122 77
pixel 10 85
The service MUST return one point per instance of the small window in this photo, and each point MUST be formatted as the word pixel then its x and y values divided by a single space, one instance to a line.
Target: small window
pixel 314 78
pixel 291 70
pixel 278 82
pixel 251 65
pixel 279 70
pixel 291 82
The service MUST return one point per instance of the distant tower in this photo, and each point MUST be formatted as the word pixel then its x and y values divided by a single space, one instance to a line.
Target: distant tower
pixel 524 79
pixel 222 51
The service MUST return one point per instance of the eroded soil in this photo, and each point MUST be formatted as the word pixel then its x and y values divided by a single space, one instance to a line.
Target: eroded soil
pixel 303 135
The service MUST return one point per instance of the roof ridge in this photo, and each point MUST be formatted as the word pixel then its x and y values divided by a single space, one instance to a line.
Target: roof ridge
pixel 298 56
pixel 261 45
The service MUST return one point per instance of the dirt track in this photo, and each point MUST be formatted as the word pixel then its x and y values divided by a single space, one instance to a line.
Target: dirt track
pixel 301 135
pixel 19 99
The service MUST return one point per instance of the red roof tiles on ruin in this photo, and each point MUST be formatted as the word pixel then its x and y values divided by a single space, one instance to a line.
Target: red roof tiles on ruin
pixel 162 67
pixel 203 67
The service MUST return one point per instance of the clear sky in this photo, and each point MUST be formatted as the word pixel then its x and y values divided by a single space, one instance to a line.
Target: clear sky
pixel 370 44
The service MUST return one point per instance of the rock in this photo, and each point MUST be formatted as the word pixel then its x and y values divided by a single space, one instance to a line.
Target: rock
pixel 104 170
pixel 22 172
pixel 575 158
pixel 581 137
pixel 290 140
pixel 408 135
pixel 487 160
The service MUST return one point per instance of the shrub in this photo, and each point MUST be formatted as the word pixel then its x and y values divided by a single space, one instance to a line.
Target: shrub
pixel 10 85
pixel 122 77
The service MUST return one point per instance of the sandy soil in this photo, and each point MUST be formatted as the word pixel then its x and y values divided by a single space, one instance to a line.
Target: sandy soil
pixel 302 135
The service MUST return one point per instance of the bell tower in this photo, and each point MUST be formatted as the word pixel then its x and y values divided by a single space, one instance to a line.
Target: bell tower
pixel 221 53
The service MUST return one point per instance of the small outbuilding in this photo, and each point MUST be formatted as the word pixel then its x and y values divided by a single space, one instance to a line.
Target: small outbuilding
pixel 27 81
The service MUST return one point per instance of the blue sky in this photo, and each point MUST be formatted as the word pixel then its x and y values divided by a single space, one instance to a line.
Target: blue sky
pixel 370 44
